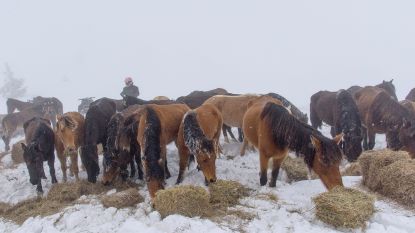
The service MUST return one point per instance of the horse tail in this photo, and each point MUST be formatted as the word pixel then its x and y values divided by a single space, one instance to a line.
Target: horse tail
pixel 194 138
pixel 316 122
pixel 152 150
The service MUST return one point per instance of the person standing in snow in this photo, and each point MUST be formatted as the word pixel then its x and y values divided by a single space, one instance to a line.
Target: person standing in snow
pixel 130 89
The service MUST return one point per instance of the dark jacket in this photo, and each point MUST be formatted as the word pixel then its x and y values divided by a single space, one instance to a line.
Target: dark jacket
pixel 130 91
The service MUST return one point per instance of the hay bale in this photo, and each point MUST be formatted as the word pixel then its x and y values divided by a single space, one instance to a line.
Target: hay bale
pixel 295 168
pixel 344 207
pixel 190 201
pixel 17 152
pixel 69 192
pixel 226 193
pixel 119 200
pixel 352 169
pixel 372 162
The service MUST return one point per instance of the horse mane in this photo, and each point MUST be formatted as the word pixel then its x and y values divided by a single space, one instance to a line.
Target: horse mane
pixel 69 122
pixel 152 142
pixel 389 88
pixel 194 137
pixel 288 131
pixel 346 114
pixel 296 111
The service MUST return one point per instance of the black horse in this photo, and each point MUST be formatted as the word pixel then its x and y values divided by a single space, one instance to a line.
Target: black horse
pixel 339 110
pixel 40 147
pixel 96 126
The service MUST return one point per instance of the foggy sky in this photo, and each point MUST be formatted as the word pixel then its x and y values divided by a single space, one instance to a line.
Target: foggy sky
pixel 79 48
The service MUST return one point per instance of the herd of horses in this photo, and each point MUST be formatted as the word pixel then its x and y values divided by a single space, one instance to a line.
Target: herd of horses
pixel 134 133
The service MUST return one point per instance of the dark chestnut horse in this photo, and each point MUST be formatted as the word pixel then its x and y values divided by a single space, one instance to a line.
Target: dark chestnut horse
pixel 199 135
pixel 122 147
pixel 339 110
pixel 274 131
pixel 39 147
pixel 196 98
pixel 294 110
pixel 96 126
pixel 382 114
pixel 385 85
pixel 411 95
pixel 159 126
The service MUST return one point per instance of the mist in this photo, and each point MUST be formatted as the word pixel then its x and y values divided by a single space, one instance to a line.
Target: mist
pixel 74 49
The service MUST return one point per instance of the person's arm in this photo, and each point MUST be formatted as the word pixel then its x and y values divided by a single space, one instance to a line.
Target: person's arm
pixel 123 93
pixel 138 92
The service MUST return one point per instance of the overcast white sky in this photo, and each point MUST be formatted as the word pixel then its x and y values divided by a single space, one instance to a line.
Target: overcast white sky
pixel 78 48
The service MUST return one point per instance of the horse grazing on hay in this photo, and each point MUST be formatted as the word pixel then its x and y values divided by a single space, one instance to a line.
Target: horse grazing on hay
pixel 14 104
pixel 96 126
pixel 274 131
pixel 199 135
pixel 411 95
pixel 11 122
pixel 294 110
pixel 382 114
pixel 39 147
pixel 122 146
pixel 196 98
pixel 69 138
pixel 159 126
pixel 385 85
pixel 339 110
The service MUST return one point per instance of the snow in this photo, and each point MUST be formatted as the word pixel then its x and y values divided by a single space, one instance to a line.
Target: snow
pixel 292 212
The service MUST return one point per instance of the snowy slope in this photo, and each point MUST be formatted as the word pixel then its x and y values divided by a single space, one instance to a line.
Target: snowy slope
pixel 293 212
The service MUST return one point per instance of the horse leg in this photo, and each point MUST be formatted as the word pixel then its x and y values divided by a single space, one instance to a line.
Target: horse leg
pixel 364 134
pixel 225 133
pixel 184 160
pixel 244 146
pixel 6 140
pixel 137 156
pixel 51 163
pixel 276 164
pixel 241 135
pixel 263 160
pixel 166 168
pixel 39 186
pixel 372 137
pixel 74 165
pixel 332 132
pixel 229 129
pixel 62 160
pixel 132 166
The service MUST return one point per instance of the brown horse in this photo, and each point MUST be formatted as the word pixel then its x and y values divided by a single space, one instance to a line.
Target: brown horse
pixel 161 98
pixel 69 138
pixel 199 135
pixel 159 126
pixel 385 85
pixel 13 121
pixel 14 104
pixel 410 105
pixel 274 131
pixel 339 110
pixel 411 95
pixel 382 114
pixel 232 108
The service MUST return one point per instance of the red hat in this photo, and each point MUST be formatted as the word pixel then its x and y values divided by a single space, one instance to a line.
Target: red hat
pixel 128 80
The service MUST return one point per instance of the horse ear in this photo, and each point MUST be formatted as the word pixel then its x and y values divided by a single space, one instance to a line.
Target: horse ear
pixel 339 138
pixel 316 143
pixel 391 81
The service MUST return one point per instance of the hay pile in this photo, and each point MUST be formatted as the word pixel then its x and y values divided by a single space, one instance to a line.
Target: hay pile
pixel 127 198
pixel 17 152
pixel 226 193
pixel 190 201
pixel 59 197
pixel 295 168
pixel 391 174
pixel 352 169
pixel 344 207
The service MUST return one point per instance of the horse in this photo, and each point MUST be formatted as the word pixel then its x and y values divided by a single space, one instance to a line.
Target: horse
pixel 95 132
pixel 232 109
pixel 122 147
pixel 69 138
pixel 159 125
pixel 54 105
pixel 274 131
pixel 411 95
pixel 130 100
pixel 84 105
pixel 382 114
pixel 339 110
pixel 161 98
pixel 15 104
pixel 410 105
pixel 196 98
pixel 199 135
pixel 119 104
pixel 16 120
pixel 294 110
pixel 39 147
pixel 385 85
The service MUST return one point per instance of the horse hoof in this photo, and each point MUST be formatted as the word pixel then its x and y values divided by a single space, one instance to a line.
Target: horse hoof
pixel 273 185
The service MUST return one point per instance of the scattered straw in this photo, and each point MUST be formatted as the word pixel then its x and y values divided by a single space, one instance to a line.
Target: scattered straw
pixel 295 168
pixel 352 169
pixel 17 152
pixel 127 198
pixel 186 200
pixel 344 207
pixel 226 193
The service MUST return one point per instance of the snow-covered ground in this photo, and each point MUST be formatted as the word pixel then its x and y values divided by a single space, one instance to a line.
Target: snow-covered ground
pixel 292 212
